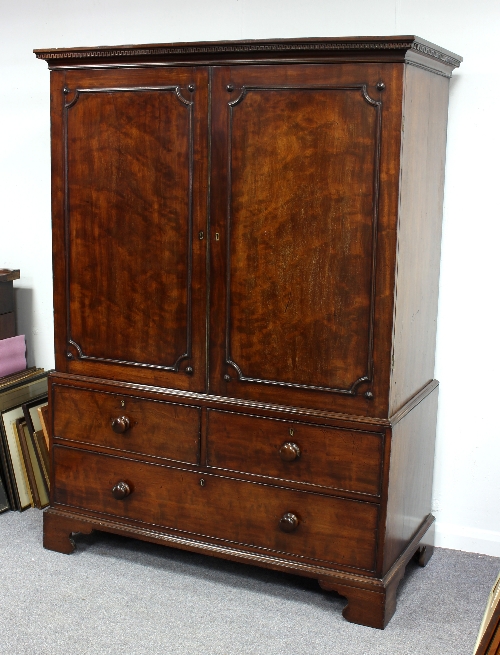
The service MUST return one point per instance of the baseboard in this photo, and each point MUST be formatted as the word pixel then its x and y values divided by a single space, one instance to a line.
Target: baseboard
pixel 471 540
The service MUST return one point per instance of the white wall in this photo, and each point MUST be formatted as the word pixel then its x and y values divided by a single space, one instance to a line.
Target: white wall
pixel 467 483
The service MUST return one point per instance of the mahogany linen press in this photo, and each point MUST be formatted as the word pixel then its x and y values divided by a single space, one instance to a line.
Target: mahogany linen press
pixel 246 246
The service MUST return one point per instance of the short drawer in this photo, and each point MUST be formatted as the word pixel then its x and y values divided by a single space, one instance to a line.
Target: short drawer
pixel 344 459
pixel 246 514
pixel 128 423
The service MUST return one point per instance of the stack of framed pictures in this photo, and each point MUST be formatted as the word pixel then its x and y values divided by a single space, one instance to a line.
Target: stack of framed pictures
pixel 24 460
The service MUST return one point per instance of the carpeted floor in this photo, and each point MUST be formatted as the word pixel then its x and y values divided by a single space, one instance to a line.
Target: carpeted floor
pixel 121 596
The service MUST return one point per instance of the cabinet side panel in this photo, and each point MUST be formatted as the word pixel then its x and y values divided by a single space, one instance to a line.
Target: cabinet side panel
pixel 58 234
pixel 419 233
pixel 410 478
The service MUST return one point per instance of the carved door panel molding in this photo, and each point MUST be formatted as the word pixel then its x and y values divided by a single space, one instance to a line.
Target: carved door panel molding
pixel 299 237
pixel 134 285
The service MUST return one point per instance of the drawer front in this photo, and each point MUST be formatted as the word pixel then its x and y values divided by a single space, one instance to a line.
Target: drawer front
pixel 151 427
pixel 329 529
pixel 330 457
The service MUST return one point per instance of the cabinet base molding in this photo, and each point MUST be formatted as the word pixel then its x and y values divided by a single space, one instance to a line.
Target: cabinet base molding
pixel 373 602
pixel 370 601
pixel 58 528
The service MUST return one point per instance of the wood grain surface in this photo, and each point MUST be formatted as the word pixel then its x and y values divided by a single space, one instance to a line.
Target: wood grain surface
pixel 304 202
pixel 330 530
pixel 300 239
pixel 419 233
pixel 130 201
pixel 341 459
pixel 246 260
pixel 170 431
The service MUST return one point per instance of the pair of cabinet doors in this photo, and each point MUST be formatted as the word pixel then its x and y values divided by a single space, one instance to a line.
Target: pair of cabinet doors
pixel 221 229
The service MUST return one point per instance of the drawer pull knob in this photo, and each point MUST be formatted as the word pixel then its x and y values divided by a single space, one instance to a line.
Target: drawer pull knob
pixel 289 451
pixel 288 522
pixel 120 425
pixel 121 490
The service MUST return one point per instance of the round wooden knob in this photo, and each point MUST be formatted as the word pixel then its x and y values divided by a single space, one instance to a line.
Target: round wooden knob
pixel 120 424
pixel 121 490
pixel 289 451
pixel 288 522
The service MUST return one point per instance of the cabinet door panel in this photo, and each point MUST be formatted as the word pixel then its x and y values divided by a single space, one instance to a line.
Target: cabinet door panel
pixel 133 207
pixel 300 226
pixel 300 244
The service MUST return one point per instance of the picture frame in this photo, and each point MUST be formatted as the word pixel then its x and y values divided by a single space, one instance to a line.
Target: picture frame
pixel 11 401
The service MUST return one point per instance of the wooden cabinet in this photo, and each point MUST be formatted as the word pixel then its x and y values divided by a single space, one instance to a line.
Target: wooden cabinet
pixel 7 305
pixel 246 263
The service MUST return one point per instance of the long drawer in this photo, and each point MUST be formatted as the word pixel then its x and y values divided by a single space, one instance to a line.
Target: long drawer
pixel 137 425
pixel 331 457
pixel 248 514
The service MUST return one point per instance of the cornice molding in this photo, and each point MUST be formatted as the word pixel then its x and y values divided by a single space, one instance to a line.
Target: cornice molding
pixel 302 46
pixel 436 54
pixel 217 49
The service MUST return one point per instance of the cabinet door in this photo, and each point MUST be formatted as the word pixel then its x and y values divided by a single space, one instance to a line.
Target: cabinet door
pixel 129 178
pixel 304 185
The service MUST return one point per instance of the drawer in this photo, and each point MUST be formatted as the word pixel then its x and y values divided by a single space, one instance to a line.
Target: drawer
pixel 247 514
pixel 151 427
pixel 336 458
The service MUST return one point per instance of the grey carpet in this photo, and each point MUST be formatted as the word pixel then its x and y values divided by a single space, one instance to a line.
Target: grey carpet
pixel 121 596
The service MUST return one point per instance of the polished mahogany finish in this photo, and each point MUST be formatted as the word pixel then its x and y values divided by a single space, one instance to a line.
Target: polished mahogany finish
pixel 300 292
pixel 150 427
pixel 226 510
pixel 319 454
pixel 124 221
pixel 246 261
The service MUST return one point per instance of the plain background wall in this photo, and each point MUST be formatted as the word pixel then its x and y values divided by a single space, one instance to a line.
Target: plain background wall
pixel 467 483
